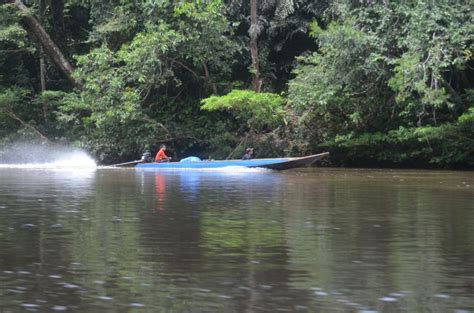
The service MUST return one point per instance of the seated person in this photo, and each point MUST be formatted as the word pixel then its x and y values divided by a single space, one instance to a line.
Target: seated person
pixel 146 157
pixel 161 155
pixel 248 154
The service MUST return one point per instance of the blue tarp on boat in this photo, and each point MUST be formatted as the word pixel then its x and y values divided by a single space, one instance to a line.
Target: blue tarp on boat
pixel 191 159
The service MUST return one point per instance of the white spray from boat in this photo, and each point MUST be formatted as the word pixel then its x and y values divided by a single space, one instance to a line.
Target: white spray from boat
pixel 25 155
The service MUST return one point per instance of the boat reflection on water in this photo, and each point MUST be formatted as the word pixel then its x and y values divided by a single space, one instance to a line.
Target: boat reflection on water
pixel 166 189
pixel 192 186
pixel 188 185
pixel 160 190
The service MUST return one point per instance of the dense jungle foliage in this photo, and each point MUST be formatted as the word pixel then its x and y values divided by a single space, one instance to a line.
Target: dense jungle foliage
pixel 376 83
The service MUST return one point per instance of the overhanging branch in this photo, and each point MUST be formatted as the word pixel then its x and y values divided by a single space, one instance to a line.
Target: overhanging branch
pixel 33 27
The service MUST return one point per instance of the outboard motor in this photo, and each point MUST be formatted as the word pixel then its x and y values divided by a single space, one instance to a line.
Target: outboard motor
pixel 146 157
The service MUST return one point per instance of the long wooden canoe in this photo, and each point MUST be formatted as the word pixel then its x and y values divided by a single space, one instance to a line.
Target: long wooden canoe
pixel 271 163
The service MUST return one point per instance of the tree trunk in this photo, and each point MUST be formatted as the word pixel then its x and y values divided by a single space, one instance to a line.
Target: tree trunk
pixel 208 79
pixel 254 31
pixel 50 48
pixel 43 66
pixel 43 82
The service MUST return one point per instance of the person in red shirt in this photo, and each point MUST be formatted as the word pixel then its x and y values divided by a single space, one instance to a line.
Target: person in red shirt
pixel 161 155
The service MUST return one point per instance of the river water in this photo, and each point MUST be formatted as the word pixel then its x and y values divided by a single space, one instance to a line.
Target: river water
pixel 309 240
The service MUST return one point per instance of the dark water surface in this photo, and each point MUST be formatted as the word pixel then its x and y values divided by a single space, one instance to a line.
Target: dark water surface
pixel 311 240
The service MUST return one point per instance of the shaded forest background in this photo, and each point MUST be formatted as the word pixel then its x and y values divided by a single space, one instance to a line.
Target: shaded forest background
pixel 376 83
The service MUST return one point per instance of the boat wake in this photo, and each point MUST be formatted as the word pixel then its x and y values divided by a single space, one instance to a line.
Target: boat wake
pixel 65 160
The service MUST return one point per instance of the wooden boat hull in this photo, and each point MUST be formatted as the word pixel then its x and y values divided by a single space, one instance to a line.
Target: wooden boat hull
pixel 273 163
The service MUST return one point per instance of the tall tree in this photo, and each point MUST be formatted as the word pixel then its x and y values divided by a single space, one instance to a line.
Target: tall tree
pixel 254 31
pixel 277 32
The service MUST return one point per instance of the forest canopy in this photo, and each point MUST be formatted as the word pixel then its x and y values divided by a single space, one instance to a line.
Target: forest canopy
pixel 376 83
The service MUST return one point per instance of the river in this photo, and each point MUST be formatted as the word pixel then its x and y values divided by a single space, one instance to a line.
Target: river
pixel 309 240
